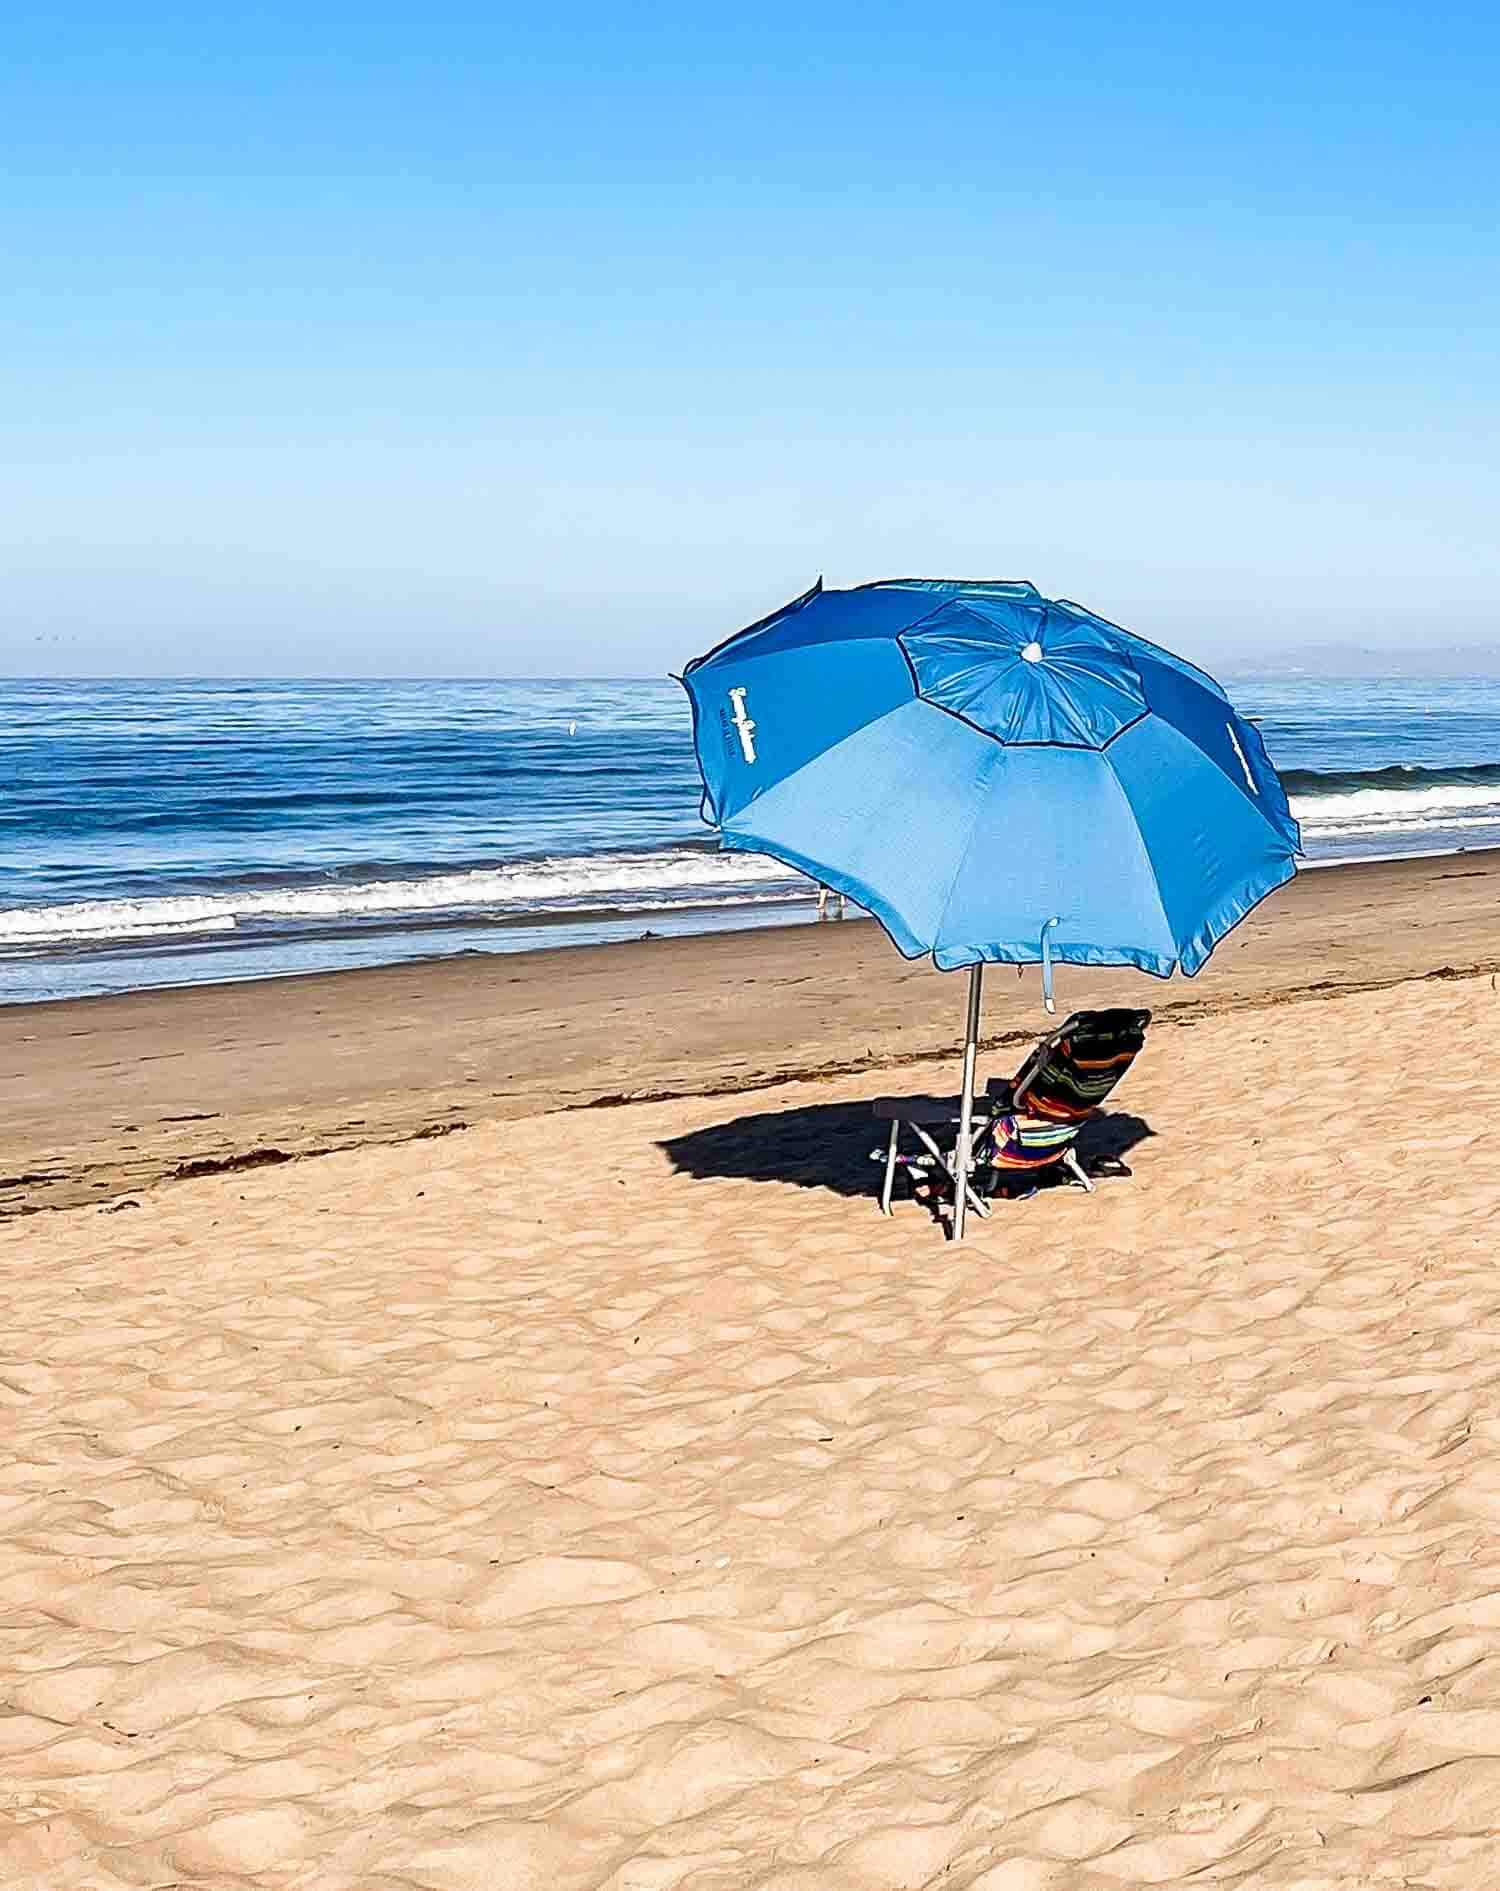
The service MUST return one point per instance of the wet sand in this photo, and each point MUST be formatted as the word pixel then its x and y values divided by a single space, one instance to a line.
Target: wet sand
pixel 100 1096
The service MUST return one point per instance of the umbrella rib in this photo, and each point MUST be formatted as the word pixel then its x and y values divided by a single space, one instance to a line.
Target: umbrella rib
pixel 1110 740
pixel 1000 741
pixel 1170 657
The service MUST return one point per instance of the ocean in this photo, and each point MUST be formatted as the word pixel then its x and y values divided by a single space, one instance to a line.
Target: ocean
pixel 174 833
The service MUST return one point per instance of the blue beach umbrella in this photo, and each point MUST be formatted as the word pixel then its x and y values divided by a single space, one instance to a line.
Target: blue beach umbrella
pixel 995 776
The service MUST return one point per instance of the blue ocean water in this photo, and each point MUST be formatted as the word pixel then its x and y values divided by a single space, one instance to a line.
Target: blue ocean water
pixel 165 833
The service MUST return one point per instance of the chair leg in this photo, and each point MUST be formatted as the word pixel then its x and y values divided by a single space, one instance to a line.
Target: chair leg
pixel 1076 1168
pixel 948 1165
pixel 976 1201
pixel 890 1169
pixel 944 1165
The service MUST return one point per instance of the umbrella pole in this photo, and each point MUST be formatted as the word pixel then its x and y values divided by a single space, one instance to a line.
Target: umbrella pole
pixel 966 1104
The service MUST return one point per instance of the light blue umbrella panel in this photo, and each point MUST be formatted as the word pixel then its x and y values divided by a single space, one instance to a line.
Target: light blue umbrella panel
pixel 995 775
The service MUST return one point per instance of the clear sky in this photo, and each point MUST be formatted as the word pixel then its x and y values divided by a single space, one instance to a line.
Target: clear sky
pixel 479 340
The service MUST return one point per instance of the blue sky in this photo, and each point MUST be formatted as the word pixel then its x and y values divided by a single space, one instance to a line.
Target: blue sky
pixel 473 341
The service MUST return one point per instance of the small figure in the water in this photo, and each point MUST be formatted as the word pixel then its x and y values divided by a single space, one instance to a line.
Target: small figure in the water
pixel 826 898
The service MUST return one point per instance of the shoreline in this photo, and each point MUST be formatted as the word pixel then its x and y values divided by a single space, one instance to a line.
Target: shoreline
pixel 103 1095
pixel 692 917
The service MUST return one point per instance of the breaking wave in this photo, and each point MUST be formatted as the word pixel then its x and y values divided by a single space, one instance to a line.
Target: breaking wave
pixel 587 883
pixel 1338 811
pixel 1401 797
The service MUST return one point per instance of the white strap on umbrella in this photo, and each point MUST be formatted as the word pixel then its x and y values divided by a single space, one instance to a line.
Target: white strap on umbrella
pixel 1047 998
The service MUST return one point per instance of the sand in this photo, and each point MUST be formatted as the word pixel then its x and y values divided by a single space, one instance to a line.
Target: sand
pixel 107 1094
pixel 613 1499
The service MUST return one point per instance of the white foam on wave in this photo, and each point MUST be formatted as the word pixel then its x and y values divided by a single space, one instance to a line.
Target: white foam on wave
pixel 629 882
pixel 46 924
pixel 532 886
pixel 1394 807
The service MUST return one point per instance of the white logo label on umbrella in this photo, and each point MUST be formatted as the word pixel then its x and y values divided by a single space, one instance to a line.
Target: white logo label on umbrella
pixel 743 723
pixel 1249 778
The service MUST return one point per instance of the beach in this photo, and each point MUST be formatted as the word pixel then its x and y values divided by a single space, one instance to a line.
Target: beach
pixel 571 1480
pixel 519 1368
pixel 102 1095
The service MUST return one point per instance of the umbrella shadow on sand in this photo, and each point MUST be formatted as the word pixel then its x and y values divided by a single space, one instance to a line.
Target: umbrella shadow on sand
pixel 827 1145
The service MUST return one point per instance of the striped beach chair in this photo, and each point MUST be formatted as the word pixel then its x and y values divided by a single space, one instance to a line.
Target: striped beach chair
pixel 1035 1116
pixel 1023 1125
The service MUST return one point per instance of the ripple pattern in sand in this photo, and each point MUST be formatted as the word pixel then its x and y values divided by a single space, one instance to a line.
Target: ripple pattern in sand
pixel 517 1510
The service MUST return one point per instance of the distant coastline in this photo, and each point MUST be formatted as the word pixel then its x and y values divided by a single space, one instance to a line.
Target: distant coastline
pixel 1352 662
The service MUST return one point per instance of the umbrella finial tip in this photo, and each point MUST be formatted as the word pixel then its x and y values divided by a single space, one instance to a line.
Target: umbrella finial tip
pixel 1032 652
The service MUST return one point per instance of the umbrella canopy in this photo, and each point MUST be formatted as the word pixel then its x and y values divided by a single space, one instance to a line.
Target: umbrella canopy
pixel 993 774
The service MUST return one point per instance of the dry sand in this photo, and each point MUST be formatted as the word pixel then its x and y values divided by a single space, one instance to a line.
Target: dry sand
pixel 613 1499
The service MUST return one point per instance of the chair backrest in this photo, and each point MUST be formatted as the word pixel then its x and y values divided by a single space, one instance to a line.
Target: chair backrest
pixel 1073 1070
pixel 1058 1088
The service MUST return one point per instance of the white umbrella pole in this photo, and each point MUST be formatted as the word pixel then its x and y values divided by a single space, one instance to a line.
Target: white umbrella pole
pixel 966 1105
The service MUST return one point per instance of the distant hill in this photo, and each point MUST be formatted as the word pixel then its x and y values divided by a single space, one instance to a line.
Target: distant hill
pixel 1347 659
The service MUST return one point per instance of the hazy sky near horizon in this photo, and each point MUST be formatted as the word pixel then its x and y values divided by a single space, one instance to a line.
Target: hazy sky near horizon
pixel 485 341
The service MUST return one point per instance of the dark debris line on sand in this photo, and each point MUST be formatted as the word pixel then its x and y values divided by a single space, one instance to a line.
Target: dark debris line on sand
pixel 42 1190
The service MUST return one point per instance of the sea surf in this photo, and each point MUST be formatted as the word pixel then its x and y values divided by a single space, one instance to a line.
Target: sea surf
pixel 176 832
